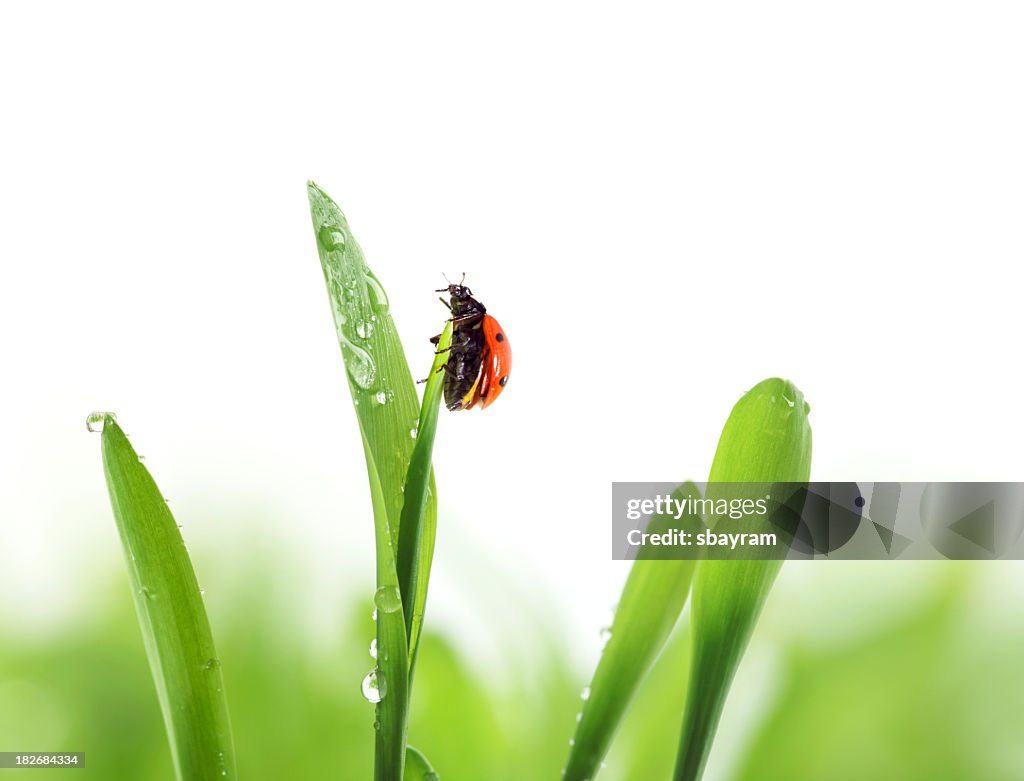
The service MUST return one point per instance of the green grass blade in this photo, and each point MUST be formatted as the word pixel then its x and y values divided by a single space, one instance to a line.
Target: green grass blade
pixel 392 717
pixel 417 768
pixel 767 439
pixel 379 378
pixel 651 602
pixel 388 411
pixel 417 492
pixel 170 609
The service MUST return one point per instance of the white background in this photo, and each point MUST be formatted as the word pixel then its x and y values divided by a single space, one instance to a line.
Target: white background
pixel 662 203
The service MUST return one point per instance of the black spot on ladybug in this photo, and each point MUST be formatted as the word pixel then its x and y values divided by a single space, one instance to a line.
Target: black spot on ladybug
pixel 500 337
pixel 503 381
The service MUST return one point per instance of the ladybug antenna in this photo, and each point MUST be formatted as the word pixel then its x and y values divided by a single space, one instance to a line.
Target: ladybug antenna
pixel 463 278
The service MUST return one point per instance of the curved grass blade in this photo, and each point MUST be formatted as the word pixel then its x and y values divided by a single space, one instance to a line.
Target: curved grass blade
pixel 387 409
pixel 652 600
pixel 417 768
pixel 417 492
pixel 767 439
pixel 392 717
pixel 383 391
pixel 175 629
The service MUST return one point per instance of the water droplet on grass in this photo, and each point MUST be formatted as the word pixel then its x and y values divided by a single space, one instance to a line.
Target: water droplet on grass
pixel 364 329
pixel 380 302
pixel 382 397
pixel 585 694
pixel 374 686
pixel 414 431
pixel 359 364
pixel 332 238
pixel 95 421
pixel 373 648
pixel 387 599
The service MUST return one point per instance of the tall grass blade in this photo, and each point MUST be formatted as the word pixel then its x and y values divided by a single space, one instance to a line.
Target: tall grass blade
pixel 767 439
pixel 392 672
pixel 417 493
pixel 175 629
pixel 388 411
pixel 652 600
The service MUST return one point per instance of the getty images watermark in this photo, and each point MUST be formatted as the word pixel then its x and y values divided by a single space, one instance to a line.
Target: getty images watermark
pixel 847 521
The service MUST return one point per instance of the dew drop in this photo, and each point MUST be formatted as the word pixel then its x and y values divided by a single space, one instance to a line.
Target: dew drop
pixel 211 664
pixel 387 599
pixel 376 725
pixel 579 717
pixel 331 238
pixel 375 614
pixel 414 431
pixel 373 648
pixel 95 421
pixel 364 329
pixel 374 686
pixel 605 634
pixel 142 459
pixel 202 592
pixel 377 292
pixel 572 741
pixel 359 364
pixel 382 397
pixel 585 694
pixel 145 592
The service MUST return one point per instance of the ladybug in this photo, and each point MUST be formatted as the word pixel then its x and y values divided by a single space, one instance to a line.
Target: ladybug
pixel 479 359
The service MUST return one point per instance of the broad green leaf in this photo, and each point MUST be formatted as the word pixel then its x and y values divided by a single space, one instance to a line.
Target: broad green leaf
pixel 417 768
pixel 766 440
pixel 175 629
pixel 417 493
pixel 652 599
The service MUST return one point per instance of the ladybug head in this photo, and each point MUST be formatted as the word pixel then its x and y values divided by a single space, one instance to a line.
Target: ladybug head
pixel 460 292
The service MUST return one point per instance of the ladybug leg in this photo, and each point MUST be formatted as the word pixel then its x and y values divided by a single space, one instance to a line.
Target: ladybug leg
pixel 444 302
pixel 473 317
pixel 457 347
pixel 451 372
pixel 443 367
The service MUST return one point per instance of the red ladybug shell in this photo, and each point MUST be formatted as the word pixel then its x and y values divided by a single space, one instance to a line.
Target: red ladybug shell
pixel 497 363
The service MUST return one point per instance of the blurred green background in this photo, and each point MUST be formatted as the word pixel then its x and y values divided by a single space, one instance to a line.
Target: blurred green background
pixel 889 670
